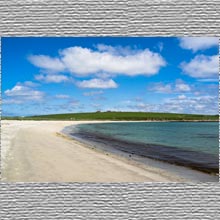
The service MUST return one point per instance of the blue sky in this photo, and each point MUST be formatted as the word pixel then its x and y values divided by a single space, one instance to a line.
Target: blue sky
pixel 42 75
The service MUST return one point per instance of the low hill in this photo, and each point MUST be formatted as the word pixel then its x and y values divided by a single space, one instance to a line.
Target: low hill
pixel 135 116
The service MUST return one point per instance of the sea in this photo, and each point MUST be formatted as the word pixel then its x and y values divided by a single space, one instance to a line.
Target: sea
pixel 190 144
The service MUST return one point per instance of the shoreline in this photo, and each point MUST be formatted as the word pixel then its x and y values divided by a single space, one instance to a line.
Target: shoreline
pixel 169 155
pixel 38 151
pixel 184 172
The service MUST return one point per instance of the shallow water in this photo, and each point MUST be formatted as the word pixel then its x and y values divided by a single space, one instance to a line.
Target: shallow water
pixel 191 144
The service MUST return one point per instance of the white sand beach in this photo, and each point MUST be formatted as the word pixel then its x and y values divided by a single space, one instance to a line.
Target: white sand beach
pixel 36 151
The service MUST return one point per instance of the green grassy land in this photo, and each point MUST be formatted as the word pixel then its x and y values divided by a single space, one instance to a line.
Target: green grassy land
pixel 120 116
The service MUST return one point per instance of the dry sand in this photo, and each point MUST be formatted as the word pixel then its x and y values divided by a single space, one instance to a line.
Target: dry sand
pixel 35 151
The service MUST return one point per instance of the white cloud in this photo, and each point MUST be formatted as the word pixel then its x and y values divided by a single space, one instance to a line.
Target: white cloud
pixel 51 78
pixel 198 43
pixel 194 104
pixel 202 67
pixel 21 93
pixel 83 61
pixel 178 86
pixel 97 106
pixel 181 97
pixel 62 96
pixel 161 88
pixel 93 93
pixel 107 59
pixel 73 103
pixel 117 50
pixel 97 83
pixel 181 104
pixel 30 84
pixel 47 63
pixel 181 86
pixel 160 46
pixel 209 80
pixel 12 101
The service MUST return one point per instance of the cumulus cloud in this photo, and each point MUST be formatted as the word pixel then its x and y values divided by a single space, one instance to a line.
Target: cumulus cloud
pixel 181 86
pixel 161 88
pixel 116 50
pixel 198 43
pixel 202 66
pixel 208 80
pixel 23 92
pixel 73 103
pixel 50 78
pixel 30 84
pixel 97 106
pixel 81 61
pixel 93 93
pixel 97 83
pixel 205 104
pixel 47 63
pixel 178 86
pixel 181 97
pixel 62 96
pixel 160 46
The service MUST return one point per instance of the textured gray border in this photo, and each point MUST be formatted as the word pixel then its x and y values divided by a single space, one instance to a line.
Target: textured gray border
pixel 109 201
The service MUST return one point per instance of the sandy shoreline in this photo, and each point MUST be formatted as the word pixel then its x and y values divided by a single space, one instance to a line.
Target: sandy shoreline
pixel 36 151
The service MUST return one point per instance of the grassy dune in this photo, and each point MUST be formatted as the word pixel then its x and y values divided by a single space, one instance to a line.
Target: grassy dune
pixel 120 116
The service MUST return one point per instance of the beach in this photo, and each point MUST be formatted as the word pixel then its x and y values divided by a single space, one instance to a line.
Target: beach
pixel 37 151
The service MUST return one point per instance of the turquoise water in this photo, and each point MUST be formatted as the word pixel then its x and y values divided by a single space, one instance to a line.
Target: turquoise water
pixel 191 144
pixel 196 136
